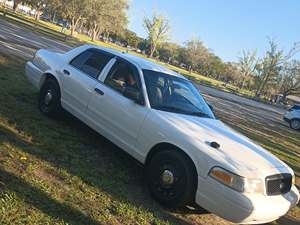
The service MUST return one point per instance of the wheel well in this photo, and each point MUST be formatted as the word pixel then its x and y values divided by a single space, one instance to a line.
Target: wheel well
pixel 47 76
pixel 161 146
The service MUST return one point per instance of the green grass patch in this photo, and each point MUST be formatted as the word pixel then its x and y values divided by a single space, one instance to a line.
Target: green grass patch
pixel 62 172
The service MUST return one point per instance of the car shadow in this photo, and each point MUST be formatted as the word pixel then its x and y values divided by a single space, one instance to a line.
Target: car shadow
pixel 39 199
pixel 96 154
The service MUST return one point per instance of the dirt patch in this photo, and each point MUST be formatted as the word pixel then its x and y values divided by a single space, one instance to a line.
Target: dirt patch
pixel 49 176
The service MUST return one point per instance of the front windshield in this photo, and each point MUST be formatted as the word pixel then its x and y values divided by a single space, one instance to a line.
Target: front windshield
pixel 175 94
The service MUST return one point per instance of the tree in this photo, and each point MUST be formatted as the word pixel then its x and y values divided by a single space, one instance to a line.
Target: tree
pixel 74 11
pixel 131 38
pixel 196 54
pixel 38 5
pixel 158 29
pixel 290 80
pixel 246 64
pixel 106 16
pixel 168 52
pixel 269 67
pixel 16 3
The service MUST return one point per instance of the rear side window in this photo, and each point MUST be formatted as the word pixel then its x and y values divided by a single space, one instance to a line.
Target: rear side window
pixel 91 62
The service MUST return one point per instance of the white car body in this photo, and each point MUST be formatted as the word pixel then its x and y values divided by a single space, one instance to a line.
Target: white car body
pixel 292 116
pixel 138 129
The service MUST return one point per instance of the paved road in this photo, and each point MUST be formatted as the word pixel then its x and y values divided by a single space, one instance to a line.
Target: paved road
pixel 22 42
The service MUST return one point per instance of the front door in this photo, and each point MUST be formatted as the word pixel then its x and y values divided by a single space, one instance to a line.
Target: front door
pixel 117 117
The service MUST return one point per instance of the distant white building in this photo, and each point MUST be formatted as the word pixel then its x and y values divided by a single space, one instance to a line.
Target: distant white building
pixel 21 7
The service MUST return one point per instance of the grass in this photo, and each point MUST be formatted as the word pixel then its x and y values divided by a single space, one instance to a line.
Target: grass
pixel 54 31
pixel 61 172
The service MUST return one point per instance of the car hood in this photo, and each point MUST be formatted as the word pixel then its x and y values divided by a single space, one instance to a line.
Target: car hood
pixel 235 149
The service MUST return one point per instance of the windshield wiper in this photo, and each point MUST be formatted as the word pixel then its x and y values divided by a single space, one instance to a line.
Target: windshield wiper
pixel 200 114
pixel 171 109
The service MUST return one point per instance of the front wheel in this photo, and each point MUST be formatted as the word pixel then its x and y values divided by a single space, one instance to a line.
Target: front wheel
pixel 49 98
pixel 295 124
pixel 172 178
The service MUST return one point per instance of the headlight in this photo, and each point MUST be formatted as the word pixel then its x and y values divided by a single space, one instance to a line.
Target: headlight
pixel 237 182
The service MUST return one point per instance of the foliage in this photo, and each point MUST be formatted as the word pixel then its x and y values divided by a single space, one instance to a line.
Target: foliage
pixel 247 64
pixel 290 79
pixel 157 29
pixel 269 67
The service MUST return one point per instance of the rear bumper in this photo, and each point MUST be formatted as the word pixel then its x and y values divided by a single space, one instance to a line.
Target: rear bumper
pixel 34 74
pixel 241 208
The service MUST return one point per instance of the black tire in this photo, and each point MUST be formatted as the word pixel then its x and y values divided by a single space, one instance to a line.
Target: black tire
pixel 182 190
pixel 50 106
pixel 295 124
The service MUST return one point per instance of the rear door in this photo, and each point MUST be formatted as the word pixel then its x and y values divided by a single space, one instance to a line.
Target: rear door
pixel 81 77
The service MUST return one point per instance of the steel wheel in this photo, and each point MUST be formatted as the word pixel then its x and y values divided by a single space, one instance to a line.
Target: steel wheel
pixel 49 98
pixel 295 124
pixel 171 178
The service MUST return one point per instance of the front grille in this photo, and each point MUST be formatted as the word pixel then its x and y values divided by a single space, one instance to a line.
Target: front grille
pixel 278 184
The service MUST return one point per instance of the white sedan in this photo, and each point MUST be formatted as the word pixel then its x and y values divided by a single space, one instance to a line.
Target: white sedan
pixel 292 116
pixel 160 118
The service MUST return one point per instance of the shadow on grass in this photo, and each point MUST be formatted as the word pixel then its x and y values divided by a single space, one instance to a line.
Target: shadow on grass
pixel 42 201
pixel 70 145
pixel 129 189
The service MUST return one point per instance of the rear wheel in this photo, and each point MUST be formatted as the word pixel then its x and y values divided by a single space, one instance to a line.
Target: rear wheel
pixel 172 178
pixel 49 98
pixel 295 124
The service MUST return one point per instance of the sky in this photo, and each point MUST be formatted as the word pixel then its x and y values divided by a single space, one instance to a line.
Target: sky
pixel 225 26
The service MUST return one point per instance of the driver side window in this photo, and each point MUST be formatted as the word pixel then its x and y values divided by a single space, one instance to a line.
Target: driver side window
pixel 121 76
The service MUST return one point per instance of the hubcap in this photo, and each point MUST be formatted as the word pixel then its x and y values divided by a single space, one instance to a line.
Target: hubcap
pixel 295 124
pixel 167 177
pixel 48 97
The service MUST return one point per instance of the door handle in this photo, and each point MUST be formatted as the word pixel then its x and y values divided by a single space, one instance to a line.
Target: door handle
pixel 66 72
pixel 98 91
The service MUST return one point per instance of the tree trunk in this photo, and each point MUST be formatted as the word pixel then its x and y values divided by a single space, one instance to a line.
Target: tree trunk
pixel 53 16
pixel 16 4
pixel 94 35
pixel 284 95
pixel 74 23
pixel 37 15
pixel 152 50
pixel 262 85
pixel 94 32
pixel 190 69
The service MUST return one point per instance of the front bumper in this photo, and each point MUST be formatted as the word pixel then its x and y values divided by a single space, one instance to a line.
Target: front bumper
pixel 243 208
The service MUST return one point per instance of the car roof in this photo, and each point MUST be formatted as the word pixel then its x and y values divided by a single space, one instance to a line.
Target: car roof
pixel 143 63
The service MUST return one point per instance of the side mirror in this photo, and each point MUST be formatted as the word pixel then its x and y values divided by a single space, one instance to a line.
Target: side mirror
pixel 133 94
pixel 211 107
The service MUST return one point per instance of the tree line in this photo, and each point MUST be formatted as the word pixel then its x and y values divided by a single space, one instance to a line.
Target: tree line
pixel 95 16
pixel 276 72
